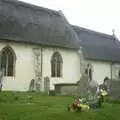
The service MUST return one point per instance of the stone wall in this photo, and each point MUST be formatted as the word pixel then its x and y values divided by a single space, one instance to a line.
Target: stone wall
pixel 66 89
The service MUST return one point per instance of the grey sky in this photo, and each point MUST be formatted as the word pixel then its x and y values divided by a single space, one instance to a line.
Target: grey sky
pixel 99 15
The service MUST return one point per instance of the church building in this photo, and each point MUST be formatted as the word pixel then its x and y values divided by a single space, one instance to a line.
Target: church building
pixel 40 44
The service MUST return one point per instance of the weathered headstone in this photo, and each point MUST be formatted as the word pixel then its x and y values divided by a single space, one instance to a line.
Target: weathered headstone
pixel 114 89
pixel 37 85
pixel 82 86
pixel 93 86
pixel 32 85
pixel 1 78
pixel 105 84
pixel 46 84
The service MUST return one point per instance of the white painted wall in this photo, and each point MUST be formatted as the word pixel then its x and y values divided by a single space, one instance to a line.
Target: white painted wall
pixel 71 66
pixel 101 69
pixel 115 71
pixel 25 66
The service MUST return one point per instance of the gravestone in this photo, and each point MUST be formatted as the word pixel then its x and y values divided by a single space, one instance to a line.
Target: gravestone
pixel 46 84
pixel 1 78
pixel 32 85
pixel 114 89
pixel 82 86
pixel 105 84
pixel 93 87
pixel 37 85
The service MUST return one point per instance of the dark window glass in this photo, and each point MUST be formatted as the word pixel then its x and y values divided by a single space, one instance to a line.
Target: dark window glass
pixel 7 61
pixel 56 65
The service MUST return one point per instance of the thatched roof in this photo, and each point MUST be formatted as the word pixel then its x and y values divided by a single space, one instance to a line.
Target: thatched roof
pixel 98 46
pixel 22 22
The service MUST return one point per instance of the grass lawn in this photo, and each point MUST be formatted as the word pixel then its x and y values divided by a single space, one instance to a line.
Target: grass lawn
pixel 36 106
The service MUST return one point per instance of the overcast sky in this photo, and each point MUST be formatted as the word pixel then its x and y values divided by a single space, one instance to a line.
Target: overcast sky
pixel 98 15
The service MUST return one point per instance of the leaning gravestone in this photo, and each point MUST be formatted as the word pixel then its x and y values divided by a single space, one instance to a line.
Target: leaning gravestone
pixel 82 86
pixel 32 85
pixel 114 89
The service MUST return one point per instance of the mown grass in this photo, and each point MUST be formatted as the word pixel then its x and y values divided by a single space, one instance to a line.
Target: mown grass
pixel 36 106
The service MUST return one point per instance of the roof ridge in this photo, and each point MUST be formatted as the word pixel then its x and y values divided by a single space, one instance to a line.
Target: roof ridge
pixel 32 6
pixel 94 46
pixel 92 31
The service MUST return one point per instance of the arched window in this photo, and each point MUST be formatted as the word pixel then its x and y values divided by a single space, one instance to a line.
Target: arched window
pixel 56 65
pixel 8 61
pixel 88 71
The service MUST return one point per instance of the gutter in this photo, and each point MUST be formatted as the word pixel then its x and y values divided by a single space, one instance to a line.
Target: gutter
pixel 80 52
pixel 41 63
pixel 111 70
